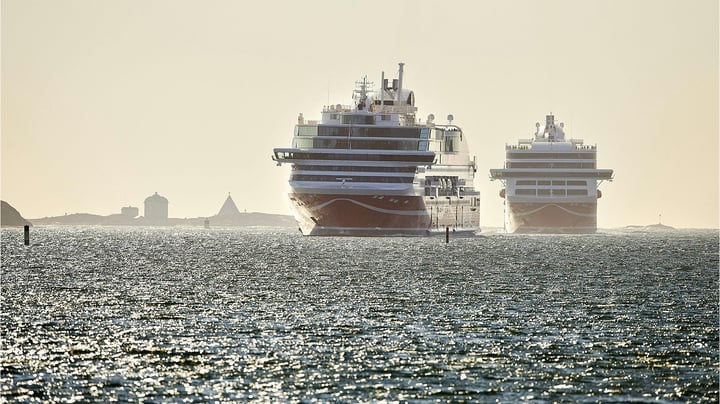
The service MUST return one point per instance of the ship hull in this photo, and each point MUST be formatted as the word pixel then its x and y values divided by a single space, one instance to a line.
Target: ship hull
pixel 551 217
pixel 360 215
pixel 459 216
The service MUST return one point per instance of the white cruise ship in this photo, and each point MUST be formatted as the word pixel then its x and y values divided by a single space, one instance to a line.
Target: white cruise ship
pixel 551 183
pixel 373 169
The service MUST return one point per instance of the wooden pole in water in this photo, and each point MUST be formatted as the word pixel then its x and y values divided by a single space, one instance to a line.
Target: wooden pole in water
pixel 447 234
pixel 27 234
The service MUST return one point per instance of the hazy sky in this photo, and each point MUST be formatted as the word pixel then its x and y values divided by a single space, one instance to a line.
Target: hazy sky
pixel 106 102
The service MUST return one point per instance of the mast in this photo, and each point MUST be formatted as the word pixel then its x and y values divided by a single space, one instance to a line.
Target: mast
pixel 382 90
pixel 400 77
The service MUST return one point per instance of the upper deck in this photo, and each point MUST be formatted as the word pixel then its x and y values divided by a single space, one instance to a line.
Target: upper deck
pixel 378 120
pixel 549 154
pixel 549 142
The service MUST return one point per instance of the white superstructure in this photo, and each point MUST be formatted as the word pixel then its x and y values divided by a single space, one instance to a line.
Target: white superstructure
pixel 373 168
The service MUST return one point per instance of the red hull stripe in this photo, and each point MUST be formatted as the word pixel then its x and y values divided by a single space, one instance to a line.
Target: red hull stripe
pixel 361 213
pixel 538 217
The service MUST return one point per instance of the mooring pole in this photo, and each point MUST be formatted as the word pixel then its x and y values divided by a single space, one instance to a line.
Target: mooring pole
pixel 447 234
pixel 27 234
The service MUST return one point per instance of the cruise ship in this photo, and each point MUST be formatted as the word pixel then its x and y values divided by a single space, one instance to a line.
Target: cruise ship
pixel 373 169
pixel 551 183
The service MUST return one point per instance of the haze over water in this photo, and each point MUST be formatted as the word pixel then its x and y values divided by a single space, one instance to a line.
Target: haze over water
pixel 106 102
pixel 173 314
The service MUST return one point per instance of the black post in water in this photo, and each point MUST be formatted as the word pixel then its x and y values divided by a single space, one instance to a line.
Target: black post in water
pixel 27 234
pixel 447 234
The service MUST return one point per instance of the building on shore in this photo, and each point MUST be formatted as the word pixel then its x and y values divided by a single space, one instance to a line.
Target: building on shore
pixel 130 211
pixel 229 208
pixel 156 207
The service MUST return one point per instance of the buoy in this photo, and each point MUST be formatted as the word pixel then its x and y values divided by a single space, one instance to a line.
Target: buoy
pixel 27 234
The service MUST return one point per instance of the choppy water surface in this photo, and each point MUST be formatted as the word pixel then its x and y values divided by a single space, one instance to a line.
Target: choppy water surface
pixel 180 314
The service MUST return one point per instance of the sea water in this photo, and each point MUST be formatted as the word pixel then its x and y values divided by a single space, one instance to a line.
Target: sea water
pixel 189 314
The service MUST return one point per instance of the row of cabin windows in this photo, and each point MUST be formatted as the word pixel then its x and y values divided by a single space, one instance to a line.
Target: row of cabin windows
pixel 353 131
pixel 552 192
pixel 549 173
pixel 411 158
pixel 307 137
pixel 357 119
pixel 364 131
pixel 406 132
pixel 335 178
pixel 451 145
pixel 349 144
pixel 553 182
pixel 355 168
pixel 550 165
pixel 562 156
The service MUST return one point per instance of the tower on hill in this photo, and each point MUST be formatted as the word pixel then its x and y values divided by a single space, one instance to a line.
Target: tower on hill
pixel 156 207
pixel 229 208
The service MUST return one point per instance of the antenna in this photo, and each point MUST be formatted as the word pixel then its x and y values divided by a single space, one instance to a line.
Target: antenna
pixel 382 90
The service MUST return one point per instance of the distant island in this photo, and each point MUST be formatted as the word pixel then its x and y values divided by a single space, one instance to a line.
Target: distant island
pixel 652 227
pixel 10 217
pixel 239 219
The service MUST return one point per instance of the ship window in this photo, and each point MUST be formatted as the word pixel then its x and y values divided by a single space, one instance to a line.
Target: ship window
pixel 577 192
pixel 543 192
pixel 303 167
pixel 561 183
pixel 558 192
pixel 423 145
pixel 357 119
pixel 321 143
pixel 515 164
pixel 543 182
pixel 577 183
pixel 424 133
pixel 307 130
pixel 452 144
pixel 563 156
pixel 385 144
pixel 404 133
pixel 525 182
pixel 333 130
pixel 525 192
pixel 301 143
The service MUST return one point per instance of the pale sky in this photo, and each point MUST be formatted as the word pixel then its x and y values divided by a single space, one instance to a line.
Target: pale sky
pixel 106 102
